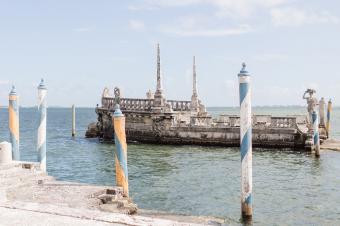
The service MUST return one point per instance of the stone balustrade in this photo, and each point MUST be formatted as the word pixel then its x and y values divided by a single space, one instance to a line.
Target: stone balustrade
pixel 108 102
pixel 133 104
pixel 283 122
pixel 258 121
pixel 129 104
pixel 200 120
pixel 179 105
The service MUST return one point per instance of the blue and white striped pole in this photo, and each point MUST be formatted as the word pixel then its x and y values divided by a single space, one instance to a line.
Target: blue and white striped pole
pixel 42 91
pixel 328 124
pixel 13 123
pixel 73 121
pixel 122 178
pixel 316 136
pixel 246 143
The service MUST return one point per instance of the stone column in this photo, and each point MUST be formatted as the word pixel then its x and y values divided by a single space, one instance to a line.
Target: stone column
pixel 159 79
pixel 246 143
pixel 194 80
pixel 159 100
pixel 194 98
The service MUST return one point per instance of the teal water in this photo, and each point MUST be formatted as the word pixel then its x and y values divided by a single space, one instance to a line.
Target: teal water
pixel 290 187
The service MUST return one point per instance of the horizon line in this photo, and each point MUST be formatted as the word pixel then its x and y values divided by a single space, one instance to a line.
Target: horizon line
pixel 256 106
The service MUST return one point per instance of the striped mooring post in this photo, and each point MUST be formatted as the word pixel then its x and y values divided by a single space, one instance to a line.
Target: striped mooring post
pixel 121 151
pixel 246 143
pixel 42 108
pixel 73 121
pixel 328 123
pixel 13 123
pixel 316 136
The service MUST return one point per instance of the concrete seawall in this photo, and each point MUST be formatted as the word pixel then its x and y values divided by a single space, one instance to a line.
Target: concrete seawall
pixel 39 199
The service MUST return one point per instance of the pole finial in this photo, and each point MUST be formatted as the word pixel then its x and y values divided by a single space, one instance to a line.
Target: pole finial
pixel 13 91
pixel 243 70
pixel 42 84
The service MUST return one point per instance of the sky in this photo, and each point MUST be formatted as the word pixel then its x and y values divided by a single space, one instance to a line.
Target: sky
pixel 81 46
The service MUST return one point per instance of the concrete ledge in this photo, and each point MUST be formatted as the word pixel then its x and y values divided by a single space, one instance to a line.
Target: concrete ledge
pixel 331 144
pixel 74 214
pixel 28 192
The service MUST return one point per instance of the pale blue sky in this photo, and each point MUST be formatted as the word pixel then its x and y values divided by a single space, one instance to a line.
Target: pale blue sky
pixel 80 47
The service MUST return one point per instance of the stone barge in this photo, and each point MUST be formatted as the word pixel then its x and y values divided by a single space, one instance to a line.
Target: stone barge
pixel 145 126
pixel 160 121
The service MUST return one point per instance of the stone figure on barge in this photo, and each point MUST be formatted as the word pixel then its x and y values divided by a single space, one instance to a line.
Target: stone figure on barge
pixel 158 120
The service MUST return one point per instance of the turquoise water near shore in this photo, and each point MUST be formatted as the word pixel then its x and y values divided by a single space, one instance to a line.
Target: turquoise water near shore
pixel 291 187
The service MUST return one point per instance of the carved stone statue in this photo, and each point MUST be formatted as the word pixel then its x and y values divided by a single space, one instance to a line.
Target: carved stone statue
pixel 106 92
pixel 117 96
pixel 312 103
pixel 150 95
pixel 202 111
pixel 168 108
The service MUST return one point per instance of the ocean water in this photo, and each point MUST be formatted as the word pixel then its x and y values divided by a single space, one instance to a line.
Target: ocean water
pixel 290 187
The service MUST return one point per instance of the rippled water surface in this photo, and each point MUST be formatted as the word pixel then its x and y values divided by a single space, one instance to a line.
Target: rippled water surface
pixel 290 187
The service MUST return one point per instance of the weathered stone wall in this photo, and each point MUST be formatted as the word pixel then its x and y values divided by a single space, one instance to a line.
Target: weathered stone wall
pixel 147 127
pixel 219 137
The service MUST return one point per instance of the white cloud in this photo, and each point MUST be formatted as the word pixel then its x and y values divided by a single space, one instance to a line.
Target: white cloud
pixel 4 82
pixel 156 4
pixel 244 8
pixel 207 32
pixel 281 12
pixel 267 57
pixel 231 8
pixel 203 26
pixel 297 17
pixel 136 25
pixel 82 29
